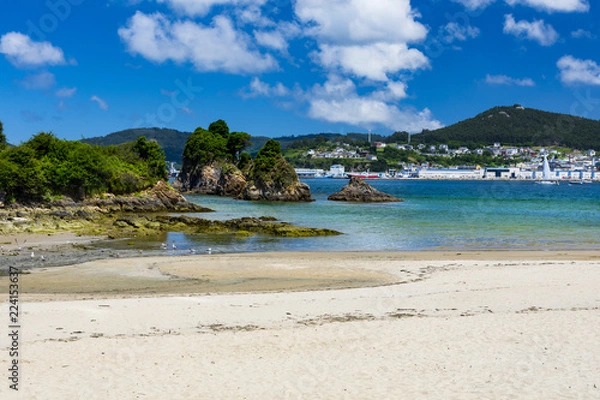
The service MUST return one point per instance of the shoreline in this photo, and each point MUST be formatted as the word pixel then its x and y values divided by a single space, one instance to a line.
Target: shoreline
pixel 474 325
pixel 259 272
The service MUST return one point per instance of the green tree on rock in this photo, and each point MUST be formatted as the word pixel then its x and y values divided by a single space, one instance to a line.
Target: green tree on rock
pixel 219 127
pixel 204 147
pixel 236 143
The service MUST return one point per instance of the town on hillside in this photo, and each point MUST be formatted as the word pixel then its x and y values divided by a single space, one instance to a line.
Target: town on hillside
pixel 381 160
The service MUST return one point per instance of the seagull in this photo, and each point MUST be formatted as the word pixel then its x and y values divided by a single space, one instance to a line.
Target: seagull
pixel 163 246
pixel 192 251
pixel 209 250
pixel 32 254
pixel 42 258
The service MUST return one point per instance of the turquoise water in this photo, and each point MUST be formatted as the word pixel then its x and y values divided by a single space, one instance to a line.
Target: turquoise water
pixel 435 215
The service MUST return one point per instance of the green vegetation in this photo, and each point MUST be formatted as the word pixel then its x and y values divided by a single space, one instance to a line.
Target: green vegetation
pixel 215 144
pixel 271 168
pixel 170 140
pixel 517 126
pixel 2 137
pixel 46 167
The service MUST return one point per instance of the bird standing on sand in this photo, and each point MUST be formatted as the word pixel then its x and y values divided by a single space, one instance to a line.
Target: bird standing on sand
pixel 32 254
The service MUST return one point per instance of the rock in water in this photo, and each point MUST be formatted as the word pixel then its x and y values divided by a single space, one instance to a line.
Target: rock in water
pixel 359 191
pixel 219 178
pixel 272 178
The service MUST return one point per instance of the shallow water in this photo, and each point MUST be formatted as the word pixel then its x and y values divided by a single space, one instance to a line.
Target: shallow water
pixel 435 215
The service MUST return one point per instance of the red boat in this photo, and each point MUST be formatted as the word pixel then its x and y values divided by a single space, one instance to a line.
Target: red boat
pixel 363 175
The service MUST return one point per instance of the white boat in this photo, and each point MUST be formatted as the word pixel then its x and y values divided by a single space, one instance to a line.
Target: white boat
pixel 547 174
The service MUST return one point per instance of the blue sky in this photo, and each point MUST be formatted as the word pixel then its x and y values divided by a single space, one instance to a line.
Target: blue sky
pixel 84 68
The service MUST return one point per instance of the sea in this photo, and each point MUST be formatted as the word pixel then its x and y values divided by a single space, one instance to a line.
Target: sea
pixel 435 215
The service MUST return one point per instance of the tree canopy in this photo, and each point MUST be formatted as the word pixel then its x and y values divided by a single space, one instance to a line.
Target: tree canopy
pixel 46 166
pixel 215 144
pixel 219 127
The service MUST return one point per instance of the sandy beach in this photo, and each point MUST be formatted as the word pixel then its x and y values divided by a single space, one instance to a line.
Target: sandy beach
pixel 433 325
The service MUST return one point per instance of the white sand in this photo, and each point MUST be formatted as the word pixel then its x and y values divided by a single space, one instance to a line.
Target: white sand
pixel 474 326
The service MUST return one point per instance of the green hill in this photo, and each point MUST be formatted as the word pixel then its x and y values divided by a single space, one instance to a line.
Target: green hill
pixel 517 126
pixel 172 141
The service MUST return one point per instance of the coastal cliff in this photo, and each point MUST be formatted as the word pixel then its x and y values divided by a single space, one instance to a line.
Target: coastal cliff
pixel 359 191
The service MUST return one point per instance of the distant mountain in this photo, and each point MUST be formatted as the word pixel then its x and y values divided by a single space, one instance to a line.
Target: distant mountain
pixel 172 141
pixel 510 126
pixel 517 126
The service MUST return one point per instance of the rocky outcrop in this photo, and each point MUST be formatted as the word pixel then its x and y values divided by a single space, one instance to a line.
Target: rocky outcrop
pixel 160 198
pixel 279 182
pixel 359 191
pixel 223 179
pixel 268 178
pixel 297 191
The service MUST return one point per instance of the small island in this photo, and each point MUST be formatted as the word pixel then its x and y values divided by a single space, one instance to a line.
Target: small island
pixel 214 163
pixel 359 191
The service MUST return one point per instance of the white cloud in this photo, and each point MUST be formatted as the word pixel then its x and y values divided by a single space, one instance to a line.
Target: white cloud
pixel 376 61
pixel 271 39
pixel 39 81
pixel 474 4
pixel 66 92
pixel 453 31
pixel 261 88
pixel 554 5
pixel 101 103
pixel 367 111
pixel 543 5
pixel 337 100
pixel 361 21
pixel 202 7
pixel 393 91
pixel 218 47
pixel 582 33
pixel 574 70
pixel 506 80
pixel 537 30
pixel 21 51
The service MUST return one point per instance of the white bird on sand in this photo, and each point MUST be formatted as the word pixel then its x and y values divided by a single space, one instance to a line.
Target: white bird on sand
pixel 32 254
pixel 42 258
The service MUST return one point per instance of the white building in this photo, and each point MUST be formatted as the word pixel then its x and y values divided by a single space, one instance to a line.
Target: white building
pixel 337 171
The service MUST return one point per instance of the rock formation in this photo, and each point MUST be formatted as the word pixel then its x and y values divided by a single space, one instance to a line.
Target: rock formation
pixel 274 179
pixel 160 198
pixel 217 178
pixel 207 169
pixel 358 190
